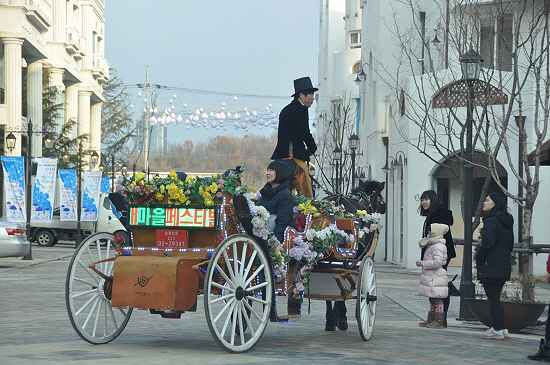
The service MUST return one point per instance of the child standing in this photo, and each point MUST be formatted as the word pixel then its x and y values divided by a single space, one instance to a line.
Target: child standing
pixel 433 281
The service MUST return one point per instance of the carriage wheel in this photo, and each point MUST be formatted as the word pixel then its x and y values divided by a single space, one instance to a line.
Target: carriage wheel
pixel 88 294
pixel 238 292
pixel 365 310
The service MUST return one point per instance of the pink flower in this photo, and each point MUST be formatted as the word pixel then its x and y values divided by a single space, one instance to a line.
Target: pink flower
pixel 221 181
pixel 219 194
pixel 187 192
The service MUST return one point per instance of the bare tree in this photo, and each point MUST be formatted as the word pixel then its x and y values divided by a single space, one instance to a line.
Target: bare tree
pixel 340 126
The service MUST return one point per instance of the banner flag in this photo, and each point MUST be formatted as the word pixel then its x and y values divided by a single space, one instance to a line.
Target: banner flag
pixel 90 196
pixel 105 185
pixel 14 180
pixel 67 195
pixel 43 192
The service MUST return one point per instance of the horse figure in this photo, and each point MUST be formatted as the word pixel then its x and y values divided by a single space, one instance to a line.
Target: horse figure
pixel 367 196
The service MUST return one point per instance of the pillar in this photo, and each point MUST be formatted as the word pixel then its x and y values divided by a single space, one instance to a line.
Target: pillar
pixel 34 105
pixel 56 80
pixel 71 111
pixel 87 31
pixel 84 98
pixel 95 128
pixel 59 20
pixel 13 89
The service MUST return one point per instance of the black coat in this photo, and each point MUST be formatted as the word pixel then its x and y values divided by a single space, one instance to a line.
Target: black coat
pixel 443 216
pixel 278 200
pixel 497 242
pixel 294 128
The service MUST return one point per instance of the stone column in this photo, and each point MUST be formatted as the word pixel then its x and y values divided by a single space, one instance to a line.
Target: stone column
pixel 34 105
pixel 84 98
pixel 95 128
pixel 87 14
pixel 13 89
pixel 59 20
pixel 56 80
pixel 71 111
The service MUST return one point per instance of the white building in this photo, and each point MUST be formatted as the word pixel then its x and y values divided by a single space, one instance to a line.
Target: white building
pixel 67 36
pixel 383 40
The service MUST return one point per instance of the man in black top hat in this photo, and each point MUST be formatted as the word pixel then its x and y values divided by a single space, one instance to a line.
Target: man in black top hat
pixel 294 138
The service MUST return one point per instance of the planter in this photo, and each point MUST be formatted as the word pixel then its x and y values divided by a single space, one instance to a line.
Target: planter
pixel 517 315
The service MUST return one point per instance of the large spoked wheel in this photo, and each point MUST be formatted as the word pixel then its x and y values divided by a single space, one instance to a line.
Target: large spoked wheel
pixel 365 310
pixel 238 292
pixel 88 293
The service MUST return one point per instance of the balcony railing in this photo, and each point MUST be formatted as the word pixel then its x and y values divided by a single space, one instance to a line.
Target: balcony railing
pixel 75 41
pixel 39 13
pixel 100 66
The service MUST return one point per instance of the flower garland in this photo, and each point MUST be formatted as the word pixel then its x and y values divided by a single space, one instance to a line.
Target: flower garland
pixel 193 189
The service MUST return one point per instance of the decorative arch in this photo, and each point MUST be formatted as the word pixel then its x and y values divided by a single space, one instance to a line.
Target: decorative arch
pixel 356 67
pixel 455 94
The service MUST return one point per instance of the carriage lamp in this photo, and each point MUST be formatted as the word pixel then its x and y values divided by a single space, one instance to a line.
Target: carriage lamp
pixel 124 168
pixel 10 141
pixel 471 64
pixel 95 158
pixel 101 166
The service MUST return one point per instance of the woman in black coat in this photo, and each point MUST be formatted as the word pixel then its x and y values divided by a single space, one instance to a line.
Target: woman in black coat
pixel 276 197
pixel 435 212
pixel 493 259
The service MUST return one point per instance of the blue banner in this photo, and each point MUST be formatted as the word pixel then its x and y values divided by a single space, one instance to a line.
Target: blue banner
pixel 105 185
pixel 67 195
pixel 14 180
pixel 90 196
pixel 43 192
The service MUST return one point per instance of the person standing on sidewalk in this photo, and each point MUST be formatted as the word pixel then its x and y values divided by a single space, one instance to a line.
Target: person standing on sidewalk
pixel 544 347
pixel 433 281
pixel 493 259
pixel 294 138
pixel 435 212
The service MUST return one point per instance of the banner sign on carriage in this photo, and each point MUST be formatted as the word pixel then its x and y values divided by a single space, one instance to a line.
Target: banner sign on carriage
pixel 189 217
pixel 67 195
pixel 90 196
pixel 14 180
pixel 43 191
pixel 106 185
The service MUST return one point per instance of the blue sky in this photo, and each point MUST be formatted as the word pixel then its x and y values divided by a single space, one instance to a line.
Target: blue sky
pixel 234 47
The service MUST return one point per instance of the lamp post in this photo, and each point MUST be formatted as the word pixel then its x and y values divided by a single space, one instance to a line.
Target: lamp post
pixel 470 63
pixel 337 156
pixel 353 141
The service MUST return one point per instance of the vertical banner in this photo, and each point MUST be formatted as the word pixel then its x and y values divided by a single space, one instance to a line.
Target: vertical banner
pixel 67 195
pixel 14 180
pixel 90 196
pixel 43 191
pixel 105 185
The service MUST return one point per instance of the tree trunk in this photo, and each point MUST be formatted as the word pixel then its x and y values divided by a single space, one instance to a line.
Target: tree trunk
pixel 527 279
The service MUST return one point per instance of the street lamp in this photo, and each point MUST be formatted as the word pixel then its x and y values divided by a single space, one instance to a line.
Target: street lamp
pixel 337 156
pixel 95 158
pixel 471 64
pixel 353 141
pixel 10 141
pixel 124 168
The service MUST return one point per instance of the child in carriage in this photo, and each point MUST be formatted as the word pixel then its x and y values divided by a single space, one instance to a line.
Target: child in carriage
pixel 433 281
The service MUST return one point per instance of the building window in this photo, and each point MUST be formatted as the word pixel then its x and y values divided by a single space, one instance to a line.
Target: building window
pixel 357 115
pixel 505 43
pixel 487 43
pixel 355 39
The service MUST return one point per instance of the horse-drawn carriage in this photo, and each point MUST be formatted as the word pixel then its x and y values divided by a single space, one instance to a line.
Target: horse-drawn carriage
pixel 178 252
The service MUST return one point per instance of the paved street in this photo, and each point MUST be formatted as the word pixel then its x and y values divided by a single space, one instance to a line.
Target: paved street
pixel 35 329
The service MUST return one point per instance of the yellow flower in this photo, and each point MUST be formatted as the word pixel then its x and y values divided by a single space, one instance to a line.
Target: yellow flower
pixel 207 195
pixel 177 195
pixel 189 178
pixel 140 176
pixel 201 190
pixel 159 196
pixel 173 175
pixel 214 187
pixel 183 198
pixel 133 184
pixel 208 202
pixel 162 189
pixel 317 214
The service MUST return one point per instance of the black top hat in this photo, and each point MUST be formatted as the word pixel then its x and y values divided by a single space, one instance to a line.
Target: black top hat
pixel 303 85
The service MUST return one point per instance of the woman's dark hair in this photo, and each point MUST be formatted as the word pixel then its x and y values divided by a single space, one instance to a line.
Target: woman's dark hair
pixel 500 203
pixel 282 171
pixel 434 202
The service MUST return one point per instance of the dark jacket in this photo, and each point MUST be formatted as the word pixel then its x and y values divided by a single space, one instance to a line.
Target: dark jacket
pixel 443 216
pixel 278 200
pixel 294 128
pixel 497 242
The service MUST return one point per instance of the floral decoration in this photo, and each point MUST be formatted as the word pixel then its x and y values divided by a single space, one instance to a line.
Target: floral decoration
pixel 194 189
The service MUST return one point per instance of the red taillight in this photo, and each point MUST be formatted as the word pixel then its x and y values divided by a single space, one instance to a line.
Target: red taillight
pixel 119 238
pixel 13 231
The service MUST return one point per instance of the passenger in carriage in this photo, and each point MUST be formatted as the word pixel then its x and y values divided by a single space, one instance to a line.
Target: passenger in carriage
pixel 277 199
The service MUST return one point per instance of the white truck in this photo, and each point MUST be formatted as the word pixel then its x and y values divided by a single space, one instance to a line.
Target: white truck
pixel 48 233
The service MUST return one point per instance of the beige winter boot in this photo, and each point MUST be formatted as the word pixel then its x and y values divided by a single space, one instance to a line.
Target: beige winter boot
pixel 431 317
pixel 438 321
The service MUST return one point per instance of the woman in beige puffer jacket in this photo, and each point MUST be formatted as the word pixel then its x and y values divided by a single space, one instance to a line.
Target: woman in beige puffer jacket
pixel 433 281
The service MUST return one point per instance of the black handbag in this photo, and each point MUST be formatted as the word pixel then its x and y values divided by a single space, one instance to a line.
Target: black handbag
pixel 453 291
